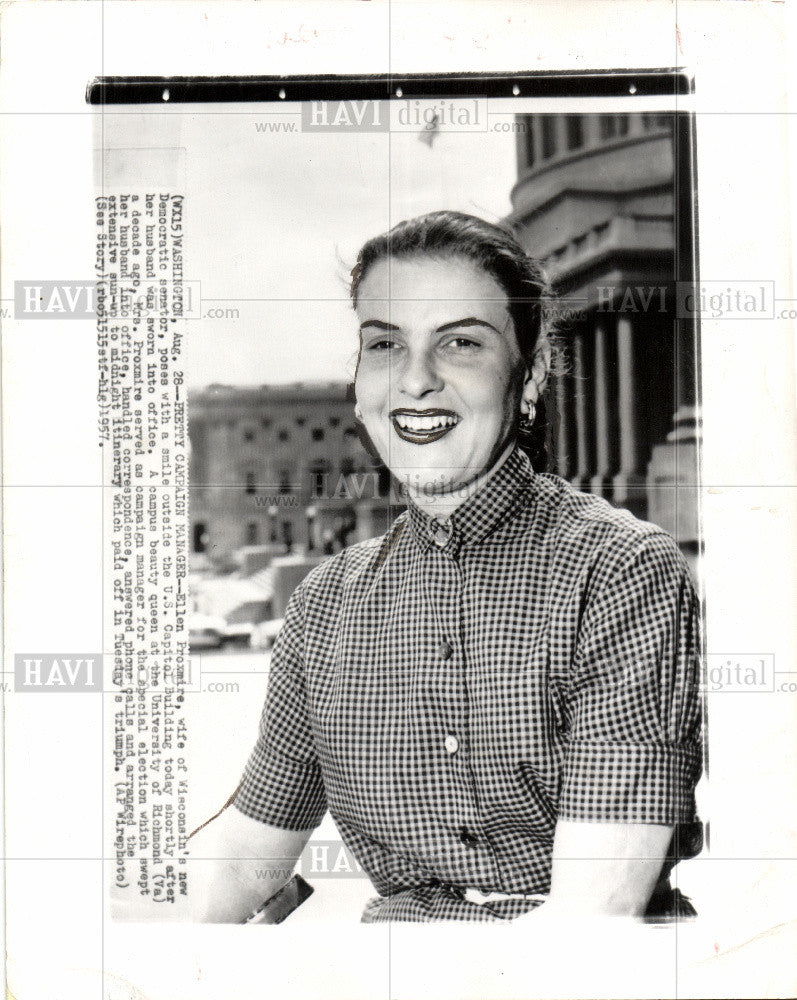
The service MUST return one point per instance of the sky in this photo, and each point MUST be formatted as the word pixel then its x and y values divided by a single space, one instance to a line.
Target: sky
pixel 273 222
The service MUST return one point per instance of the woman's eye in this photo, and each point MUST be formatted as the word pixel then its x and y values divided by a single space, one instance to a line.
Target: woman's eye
pixel 382 345
pixel 463 343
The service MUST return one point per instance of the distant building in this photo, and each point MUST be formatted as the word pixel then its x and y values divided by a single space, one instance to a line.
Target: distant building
pixel 279 465
pixel 605 202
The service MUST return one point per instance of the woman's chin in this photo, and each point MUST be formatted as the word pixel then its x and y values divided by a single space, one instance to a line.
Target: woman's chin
pixel 432 469
pixel 431 482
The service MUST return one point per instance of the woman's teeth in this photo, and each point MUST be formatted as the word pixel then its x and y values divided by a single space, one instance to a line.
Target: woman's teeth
pixel 416 424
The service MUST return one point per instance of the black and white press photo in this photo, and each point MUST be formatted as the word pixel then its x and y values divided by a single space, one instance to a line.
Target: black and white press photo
pixel 443 549
pixel 398 500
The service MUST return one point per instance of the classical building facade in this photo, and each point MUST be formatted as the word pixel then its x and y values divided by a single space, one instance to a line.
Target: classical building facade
pixel 605 202
pixel 279 465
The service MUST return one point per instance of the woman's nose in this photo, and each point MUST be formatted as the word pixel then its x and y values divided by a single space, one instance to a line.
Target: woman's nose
pixel 418 375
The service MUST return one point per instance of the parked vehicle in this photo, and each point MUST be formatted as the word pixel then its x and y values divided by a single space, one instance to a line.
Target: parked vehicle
pixel 205 631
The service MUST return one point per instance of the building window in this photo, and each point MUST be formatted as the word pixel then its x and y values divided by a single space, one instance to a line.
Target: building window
pixel 347 466
pixel 249 434
pixel 622 124
pixel 301 421
pixel 283 435
pixel 251 533
pixel 334 421
pixel 285 482
pixel 265 423
pixel 317 434
pixel 575 131
pixel 350 435
pixel 200 536
pixel 548 136
pixel 528 122
pixel 250 481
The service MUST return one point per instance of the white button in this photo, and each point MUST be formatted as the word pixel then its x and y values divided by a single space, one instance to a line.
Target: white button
pixel 451 744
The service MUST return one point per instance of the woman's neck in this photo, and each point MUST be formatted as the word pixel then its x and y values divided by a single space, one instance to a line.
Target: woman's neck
pixel 442 505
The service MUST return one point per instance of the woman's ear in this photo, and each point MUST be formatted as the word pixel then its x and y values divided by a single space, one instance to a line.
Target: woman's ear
pixel 537 375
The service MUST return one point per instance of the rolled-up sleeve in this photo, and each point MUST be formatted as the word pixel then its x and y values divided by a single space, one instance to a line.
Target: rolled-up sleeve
pixel 635 752
pixel 282 783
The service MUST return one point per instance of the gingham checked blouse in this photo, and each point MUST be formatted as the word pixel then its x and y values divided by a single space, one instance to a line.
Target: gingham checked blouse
pixel 449 694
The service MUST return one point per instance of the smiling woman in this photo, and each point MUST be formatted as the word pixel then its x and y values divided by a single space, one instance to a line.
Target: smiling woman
pixel 453 349
pixel 438 381
pixel 497 700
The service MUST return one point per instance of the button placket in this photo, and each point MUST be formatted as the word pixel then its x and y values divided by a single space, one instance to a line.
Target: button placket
pixel 444 582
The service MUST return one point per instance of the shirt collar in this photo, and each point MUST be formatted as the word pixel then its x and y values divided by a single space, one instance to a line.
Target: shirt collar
pixel 505 492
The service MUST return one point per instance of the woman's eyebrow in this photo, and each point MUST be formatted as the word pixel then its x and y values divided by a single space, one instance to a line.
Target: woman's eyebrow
pixel 379 324
pixel 468 321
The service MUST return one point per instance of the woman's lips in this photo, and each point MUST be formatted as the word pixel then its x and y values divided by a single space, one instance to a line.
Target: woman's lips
pixel 423 426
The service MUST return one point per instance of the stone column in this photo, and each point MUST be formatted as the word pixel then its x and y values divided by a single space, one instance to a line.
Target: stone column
pixel 582 390
pixel 602 478
pixel 565 464
pixel 629 483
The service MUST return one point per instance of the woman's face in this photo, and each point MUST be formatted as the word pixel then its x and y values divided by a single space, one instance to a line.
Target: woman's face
pixel 440 373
